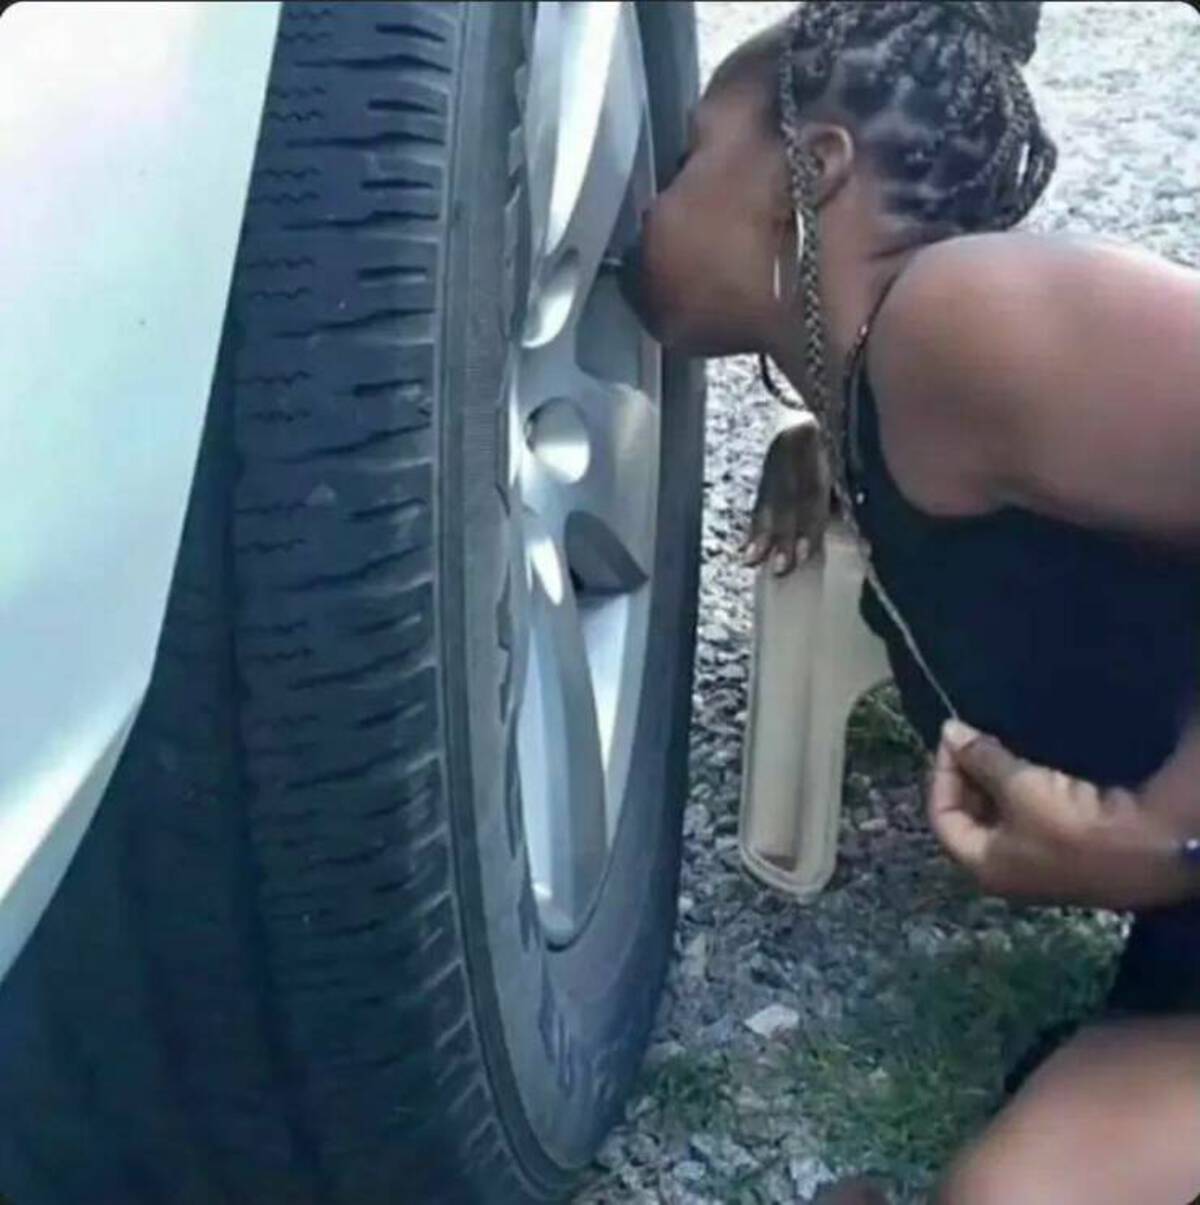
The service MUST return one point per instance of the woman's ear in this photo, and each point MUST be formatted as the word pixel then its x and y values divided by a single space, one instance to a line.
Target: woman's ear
pixel 832 149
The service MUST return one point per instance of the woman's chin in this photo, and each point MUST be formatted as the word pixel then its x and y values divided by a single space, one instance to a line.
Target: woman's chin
pixel 688 340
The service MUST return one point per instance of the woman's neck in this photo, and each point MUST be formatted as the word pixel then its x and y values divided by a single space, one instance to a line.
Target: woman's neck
pixel 856 268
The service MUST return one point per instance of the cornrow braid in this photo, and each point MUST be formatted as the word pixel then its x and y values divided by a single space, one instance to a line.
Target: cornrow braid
pixel 803 170
pixel 935 90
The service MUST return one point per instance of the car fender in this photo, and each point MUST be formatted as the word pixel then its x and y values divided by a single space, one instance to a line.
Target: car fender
pixel 127 134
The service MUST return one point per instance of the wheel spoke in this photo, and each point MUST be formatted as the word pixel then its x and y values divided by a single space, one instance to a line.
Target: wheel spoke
pixel 610 531
pixel 542 115
pixel 602 93
pixel 559 732
pixel 591 476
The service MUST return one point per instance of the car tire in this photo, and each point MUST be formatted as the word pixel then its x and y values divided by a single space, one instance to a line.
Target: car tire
pixel 298 957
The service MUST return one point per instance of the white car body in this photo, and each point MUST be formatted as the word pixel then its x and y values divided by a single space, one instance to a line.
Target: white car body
pixel 127 134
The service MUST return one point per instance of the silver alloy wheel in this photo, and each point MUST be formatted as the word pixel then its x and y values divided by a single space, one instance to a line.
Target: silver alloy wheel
pixel 584 451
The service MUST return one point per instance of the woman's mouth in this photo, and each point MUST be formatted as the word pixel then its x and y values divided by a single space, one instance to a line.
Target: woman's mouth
pixel 629 274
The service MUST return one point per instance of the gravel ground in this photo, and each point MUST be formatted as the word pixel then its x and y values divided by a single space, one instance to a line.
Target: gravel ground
pixel 899 999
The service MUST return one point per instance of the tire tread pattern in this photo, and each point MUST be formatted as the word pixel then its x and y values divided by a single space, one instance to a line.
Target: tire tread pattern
pixel 279 966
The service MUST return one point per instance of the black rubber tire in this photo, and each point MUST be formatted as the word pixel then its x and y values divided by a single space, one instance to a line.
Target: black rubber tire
pixel 297 958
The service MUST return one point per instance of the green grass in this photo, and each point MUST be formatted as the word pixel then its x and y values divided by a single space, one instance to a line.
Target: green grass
pixel 698 1093
pixel 915 1070
pixel 693 1092
pixel 877 725
pixel 880 741
pixel 900 1081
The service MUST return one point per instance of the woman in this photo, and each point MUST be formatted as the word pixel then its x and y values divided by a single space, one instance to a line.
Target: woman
pixel 1013 424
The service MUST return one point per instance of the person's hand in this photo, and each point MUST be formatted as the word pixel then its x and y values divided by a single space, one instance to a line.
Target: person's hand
pixel 792 507
pixel 1032 834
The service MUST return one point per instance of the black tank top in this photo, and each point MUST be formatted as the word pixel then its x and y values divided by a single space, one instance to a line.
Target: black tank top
pixel 1078 649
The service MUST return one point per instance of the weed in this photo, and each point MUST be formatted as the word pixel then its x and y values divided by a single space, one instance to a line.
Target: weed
pixel 920 1064
pixel 693 1091
pixel 877 732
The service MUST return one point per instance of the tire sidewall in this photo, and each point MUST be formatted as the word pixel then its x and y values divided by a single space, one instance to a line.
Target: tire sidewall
pixel 563 1031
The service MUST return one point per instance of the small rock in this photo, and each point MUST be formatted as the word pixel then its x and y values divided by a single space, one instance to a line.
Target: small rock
pixel 808 1175
pixel 749 1101
pixel 767 970
pixel 996 941
pixel 774 1020
pixel 880 1080
pixel 778 1188
pixel 690 1171
pixel 661 1053
pixel 696 820
pixel 683 1196
pixel 798 1144
pixel 727 824
pixel 721 1153
pixel 644 1150
pixel 924 939
pixel 694 963
pixel 611 1156
pixel 719 1032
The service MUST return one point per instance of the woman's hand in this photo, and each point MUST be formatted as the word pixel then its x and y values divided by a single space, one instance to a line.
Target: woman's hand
pixel 1032 834
pixel 792 507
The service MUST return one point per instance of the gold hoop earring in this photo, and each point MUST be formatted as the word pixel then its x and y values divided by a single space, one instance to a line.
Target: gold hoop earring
pixel 777 269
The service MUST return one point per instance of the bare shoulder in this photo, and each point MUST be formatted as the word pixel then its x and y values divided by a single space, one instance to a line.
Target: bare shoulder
pixel 991 344
pixel 960 341
pixel 972 310
pixel 979 264
pixel 1024 306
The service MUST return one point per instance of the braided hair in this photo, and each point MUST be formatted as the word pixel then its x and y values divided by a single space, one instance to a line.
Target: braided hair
pixel 935 90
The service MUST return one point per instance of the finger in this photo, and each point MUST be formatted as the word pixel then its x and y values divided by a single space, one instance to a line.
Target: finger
pixel 983 760
pixel 963 835
pixel 803 550
pixel 813 527
pixel 755 551
pixel 784 560
pixel 814 535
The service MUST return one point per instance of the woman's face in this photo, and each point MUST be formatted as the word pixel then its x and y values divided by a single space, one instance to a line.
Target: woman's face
pixel 700 277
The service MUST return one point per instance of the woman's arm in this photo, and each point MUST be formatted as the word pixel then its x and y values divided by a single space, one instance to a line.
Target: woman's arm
pixel 1026 832
pixel 1170 801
